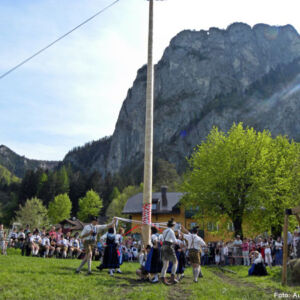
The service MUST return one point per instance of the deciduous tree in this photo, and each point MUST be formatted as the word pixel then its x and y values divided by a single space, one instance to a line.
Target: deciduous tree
pixel 60 208
pixel 33 213
pixel 243 173
pixel 89 205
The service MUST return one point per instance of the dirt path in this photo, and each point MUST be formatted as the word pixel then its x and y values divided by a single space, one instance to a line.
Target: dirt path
pixel 240 283
pixel 179 290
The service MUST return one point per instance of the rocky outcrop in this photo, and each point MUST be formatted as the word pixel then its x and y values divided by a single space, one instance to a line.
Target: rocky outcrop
pixel 18 165
pixel 204 79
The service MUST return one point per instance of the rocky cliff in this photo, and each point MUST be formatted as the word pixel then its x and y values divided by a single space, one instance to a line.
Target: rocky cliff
pixel 18 165
pixel 206 78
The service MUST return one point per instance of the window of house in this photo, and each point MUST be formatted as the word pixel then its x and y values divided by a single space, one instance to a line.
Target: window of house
pixel 230 226
pixel 155 204
pixel 211 226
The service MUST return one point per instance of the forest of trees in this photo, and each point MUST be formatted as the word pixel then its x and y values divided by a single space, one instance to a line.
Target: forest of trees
pixel 70 189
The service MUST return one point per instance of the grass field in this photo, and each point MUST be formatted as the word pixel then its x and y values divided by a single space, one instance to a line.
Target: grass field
pixel 38 278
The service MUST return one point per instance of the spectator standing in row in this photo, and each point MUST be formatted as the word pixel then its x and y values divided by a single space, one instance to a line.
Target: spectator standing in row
pixel 237 250
pixel 2 240
pixel 225 254
pixel 268 254
pixel 245 252
pixel 218 254
pixel 278 251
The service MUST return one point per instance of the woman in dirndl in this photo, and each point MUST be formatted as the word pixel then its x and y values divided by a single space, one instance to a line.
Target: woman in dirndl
pixel 110 258
pixel 154 263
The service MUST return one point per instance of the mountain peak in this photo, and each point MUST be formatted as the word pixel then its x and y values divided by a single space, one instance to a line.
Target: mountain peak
pixel 207 78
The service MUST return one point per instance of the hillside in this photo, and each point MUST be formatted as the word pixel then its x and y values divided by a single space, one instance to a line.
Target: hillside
pixel 205 78
pixel 18 165
pixel 6 177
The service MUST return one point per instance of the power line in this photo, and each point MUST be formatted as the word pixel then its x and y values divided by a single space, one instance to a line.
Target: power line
pixel 57 40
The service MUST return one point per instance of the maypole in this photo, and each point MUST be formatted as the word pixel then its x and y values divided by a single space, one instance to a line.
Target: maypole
pixel 148 159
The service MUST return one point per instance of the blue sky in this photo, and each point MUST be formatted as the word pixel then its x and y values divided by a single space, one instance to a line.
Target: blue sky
pixel 72 93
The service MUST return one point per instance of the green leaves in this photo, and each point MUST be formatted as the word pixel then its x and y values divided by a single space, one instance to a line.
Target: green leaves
pixel 89 205
pixel 60 208
pixel 244 172
pixel 33 213
pixel 118 202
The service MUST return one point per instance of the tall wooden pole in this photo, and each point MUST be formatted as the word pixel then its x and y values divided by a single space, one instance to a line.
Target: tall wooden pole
pixel 148 160
pixel 285 249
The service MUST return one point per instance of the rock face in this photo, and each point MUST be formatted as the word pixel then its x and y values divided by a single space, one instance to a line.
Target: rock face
pixel 18 165
pixel 204 79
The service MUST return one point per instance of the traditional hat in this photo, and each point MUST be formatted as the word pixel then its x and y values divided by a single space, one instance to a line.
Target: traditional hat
pixel 153 230
pixel 195 229
pixel 171 223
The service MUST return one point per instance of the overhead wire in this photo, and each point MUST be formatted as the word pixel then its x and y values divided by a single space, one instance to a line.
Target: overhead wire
pixel 57 40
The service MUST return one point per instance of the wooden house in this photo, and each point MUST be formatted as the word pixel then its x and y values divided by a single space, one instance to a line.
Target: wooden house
pixel 166 205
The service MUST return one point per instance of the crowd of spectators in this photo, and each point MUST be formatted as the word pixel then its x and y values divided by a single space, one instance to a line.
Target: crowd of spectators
pixel 237 251
pixel 55 243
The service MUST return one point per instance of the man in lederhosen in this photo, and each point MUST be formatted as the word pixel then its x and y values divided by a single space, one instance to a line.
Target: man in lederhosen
pixel 195 243
pixel 89 237
pixel 168 253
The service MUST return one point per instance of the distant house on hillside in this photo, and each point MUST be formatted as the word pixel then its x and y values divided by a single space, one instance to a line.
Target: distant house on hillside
pixel 71 225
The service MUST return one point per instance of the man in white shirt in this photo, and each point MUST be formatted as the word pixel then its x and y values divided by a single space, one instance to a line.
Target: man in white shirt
pixel 168 253
pixel 89 237
pixel 195 243
pixel 35 241
pixel 237 250
pixel 74 246
pixel 65 243
pixel 21 238
pixel 45 245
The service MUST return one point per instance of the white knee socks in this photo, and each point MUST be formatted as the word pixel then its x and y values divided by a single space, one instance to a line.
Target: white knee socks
pixel 164 269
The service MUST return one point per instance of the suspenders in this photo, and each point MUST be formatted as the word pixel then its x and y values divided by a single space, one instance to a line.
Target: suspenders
pixel 192 244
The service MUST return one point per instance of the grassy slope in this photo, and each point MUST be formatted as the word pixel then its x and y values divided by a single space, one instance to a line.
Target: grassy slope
pixel 37 278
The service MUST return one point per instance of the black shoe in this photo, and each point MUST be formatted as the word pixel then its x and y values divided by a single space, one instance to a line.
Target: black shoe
pixel 77 271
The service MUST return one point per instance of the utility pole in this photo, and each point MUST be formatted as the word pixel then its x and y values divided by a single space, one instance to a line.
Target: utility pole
pixel 148 159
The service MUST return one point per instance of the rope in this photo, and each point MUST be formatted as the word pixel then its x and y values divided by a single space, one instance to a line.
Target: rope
pixel 157 225
pixel 57 40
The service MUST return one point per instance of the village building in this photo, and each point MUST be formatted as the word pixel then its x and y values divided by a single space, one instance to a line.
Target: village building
pixel 73 225
pixel 166 205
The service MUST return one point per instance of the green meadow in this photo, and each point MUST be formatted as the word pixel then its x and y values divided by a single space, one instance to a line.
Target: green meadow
pixel 39 278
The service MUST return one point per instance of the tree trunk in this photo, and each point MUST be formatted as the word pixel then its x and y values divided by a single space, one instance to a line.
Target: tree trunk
pixel 237 223
pixel 276 231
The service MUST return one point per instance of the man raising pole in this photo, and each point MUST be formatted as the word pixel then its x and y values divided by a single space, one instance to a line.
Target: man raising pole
pixel 89 237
